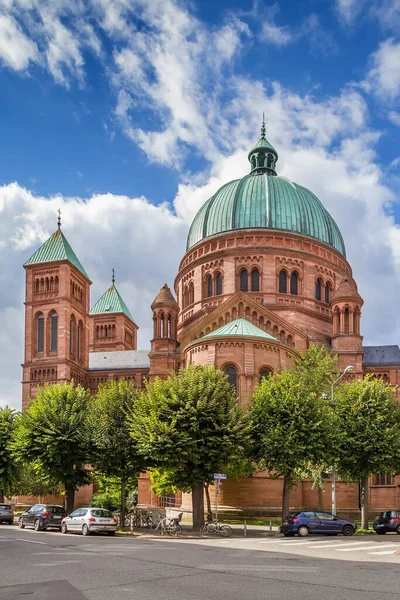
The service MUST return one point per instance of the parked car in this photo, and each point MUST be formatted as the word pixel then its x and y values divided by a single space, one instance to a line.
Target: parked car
pixel 6 514
pixel 42 517
pixel 309 521
pixel 386 521
pixel 90 520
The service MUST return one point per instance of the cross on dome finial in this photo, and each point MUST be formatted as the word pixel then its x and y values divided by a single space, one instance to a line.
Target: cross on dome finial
pixel 263 127
pixel 113 277
pixel 59 219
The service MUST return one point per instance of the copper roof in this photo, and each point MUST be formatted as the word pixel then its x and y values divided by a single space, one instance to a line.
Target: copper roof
pixel 165 298
pixel 347 289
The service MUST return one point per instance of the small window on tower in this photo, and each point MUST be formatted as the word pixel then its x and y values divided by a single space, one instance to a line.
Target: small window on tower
pixel 283 282
pixel 40 333
pixel 255 280
pixel 318 289
pixel 209 286
pixel 244 281
pixel 53 332
pixel 218 284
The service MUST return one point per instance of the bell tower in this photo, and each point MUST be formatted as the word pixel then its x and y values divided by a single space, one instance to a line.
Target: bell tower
pixel 164 354
pixel 346 305
pixel 57 296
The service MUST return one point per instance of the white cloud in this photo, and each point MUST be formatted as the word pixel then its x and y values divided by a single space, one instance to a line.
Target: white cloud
pixel 276 35
pixel 17 51
pixel 349 10
pixel 383 77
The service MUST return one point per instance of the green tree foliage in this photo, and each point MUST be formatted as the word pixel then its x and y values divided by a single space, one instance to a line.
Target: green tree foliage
pixel 190 425
pixel 108 492
pixel 8 466
pixel 367 419
pixel 53 434
pixel 292 424
pixel 317 369
pixel 114 451
pixel 30 483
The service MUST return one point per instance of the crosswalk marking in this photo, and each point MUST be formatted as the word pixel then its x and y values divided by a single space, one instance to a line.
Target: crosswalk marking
pixel 384 552
pixel 335 545
pixel 370 548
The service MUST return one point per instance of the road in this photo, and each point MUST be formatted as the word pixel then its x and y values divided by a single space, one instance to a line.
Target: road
pixel 52 566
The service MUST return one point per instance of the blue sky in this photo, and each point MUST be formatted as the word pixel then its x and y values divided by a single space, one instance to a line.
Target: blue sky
pixel 129 115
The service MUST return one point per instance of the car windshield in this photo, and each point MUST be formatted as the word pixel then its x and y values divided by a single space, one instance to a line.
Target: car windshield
pixel 5 506
pixel 56 510
pixel 101 512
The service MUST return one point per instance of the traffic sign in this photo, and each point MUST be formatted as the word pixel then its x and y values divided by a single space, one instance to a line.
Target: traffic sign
pixel 219 476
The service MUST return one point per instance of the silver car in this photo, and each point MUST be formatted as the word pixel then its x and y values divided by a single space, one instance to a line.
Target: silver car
pixel 90 520
pixel 6 514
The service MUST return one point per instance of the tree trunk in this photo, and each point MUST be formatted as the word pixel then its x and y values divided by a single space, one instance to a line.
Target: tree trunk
pixel 1 496
pixel 285 496
pixel 364 502
pixel 320 498
pixel 69 498
pixel 122 507
pixel 198 506
pixel 209 511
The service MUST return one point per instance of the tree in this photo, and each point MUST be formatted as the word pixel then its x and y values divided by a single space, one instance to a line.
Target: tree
pixel 29 483
pixel 8 466
pixel 114 450
pixel 53 433
pixel 367 419
pixel 190 425
pixel 292 426
pixel 317 369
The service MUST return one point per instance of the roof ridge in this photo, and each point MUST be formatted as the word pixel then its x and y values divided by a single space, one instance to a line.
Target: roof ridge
pixel 111 302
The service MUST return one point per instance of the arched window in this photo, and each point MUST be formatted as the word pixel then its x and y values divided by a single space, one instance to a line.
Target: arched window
pixel 244 281
pixel 283 282
pixel 327 293
pixel 53 332
pixel 191 293
pixel 269 160
pixel 255 280
pixel 265 372
pixel 346 324
pixel 261 159
pixel 79 340
pixel 318 289
pixel 294 284
pixel 253 162
pixel 40 333
pixel 209 286
pixel 71 334
pixel 231 373
pixel 218 284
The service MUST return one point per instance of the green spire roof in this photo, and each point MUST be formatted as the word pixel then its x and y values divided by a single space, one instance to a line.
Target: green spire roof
pixel 111 302
pixel 240 328
pixel 56 248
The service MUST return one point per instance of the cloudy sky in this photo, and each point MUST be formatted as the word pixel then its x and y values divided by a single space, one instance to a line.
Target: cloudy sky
pixel 129 114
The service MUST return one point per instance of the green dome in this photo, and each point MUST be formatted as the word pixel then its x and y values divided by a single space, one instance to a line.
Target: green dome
pixel 263 200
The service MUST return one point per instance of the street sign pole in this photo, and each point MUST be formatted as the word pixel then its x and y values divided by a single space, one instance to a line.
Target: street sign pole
pixel 217 477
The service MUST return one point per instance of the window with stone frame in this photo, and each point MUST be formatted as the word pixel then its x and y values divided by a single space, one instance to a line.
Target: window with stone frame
pixel 231 372
pixel 294 283
pixel 40 333
pixel 53 332
pixel 318 290
pixel 209 286
pixel 218 284
pixel 255 280
pixel 244 280
pixel 383 479
pixel 283 282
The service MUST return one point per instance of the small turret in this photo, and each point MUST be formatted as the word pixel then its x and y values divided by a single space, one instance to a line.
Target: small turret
pixel 346 305
pixel 263 156
pixel 164 355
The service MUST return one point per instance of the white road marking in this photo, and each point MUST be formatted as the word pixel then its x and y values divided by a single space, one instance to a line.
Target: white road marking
pixel 370 548
pixel 341 544
pixel 3 537
pixel 54 563
pixel 30 541
pixel 384 552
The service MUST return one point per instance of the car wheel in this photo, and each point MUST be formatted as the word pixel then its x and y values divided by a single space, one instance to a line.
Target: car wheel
pixel 37 525
pixel 85 529
pixel 64 528
pixel 288 534
pixel 398 529
pixel 21 523
pixel 348 530
pixel 303 531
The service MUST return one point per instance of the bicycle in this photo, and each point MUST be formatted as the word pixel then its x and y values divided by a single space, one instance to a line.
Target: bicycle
pixel 168 526
pixel 214 528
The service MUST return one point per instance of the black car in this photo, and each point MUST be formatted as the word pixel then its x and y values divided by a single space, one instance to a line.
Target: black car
pixel 6 514
pixel 387 521
pixel 42 517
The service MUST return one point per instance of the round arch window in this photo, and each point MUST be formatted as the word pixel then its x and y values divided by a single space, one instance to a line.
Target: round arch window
pixel 231 372
pixel 265 372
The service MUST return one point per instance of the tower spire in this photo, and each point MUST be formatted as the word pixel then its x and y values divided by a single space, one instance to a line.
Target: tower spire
pixel 113 277
pixel 263 128
pixel 59 219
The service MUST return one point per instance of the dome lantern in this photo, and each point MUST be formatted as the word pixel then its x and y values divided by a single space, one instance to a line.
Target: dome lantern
pixel 263 156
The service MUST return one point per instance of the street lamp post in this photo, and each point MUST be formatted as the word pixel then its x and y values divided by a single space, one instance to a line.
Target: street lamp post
pixel 347 369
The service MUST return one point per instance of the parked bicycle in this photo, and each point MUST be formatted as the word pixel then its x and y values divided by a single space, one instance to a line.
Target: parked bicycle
pixel 168 526
pixel 139 519
pixel 215 528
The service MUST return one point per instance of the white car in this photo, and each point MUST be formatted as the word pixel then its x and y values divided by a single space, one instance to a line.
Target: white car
pixel 90 520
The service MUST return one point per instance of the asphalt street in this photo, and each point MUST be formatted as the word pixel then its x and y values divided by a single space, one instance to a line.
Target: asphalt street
pixel 52 566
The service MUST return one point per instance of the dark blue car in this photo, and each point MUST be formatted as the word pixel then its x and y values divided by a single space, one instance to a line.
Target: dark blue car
pixel 309 521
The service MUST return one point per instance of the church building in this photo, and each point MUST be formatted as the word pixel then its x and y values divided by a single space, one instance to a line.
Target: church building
pixel 264 276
